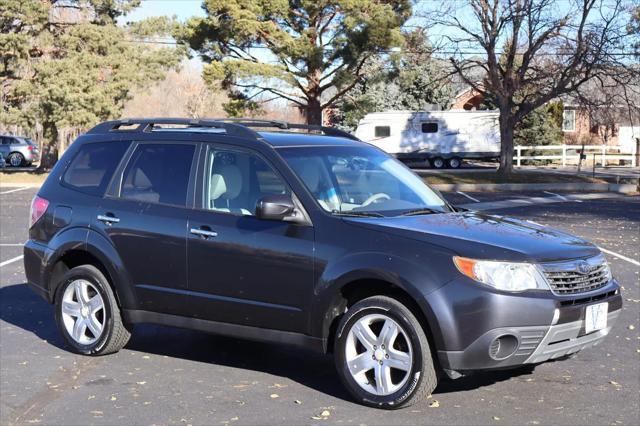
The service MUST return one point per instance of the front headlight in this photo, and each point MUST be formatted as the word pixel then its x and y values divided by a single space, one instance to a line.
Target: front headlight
pixel 506 276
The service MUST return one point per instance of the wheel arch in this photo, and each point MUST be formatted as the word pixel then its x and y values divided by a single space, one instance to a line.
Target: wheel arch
pixel 95 251
pixel 354 290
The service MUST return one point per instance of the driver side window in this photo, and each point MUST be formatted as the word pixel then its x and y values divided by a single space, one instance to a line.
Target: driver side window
pixel 235 180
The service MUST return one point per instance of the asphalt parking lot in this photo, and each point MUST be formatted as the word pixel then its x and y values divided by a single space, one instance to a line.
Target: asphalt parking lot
pixel 170 376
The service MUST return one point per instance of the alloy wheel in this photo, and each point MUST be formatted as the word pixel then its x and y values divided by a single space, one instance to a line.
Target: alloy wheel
pixel 379 355
pixel 83 312
pixel 15 160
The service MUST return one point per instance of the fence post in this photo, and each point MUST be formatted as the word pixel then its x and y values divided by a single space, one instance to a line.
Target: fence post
pixel 518 153
pixel 564 155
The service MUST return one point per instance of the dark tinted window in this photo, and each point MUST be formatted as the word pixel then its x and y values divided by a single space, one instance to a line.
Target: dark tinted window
pixel 91 169
pixel 158 173
pixel 429 127
pixel 382 131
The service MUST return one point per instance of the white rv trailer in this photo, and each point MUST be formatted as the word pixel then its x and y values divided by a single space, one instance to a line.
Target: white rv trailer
pixel 443 138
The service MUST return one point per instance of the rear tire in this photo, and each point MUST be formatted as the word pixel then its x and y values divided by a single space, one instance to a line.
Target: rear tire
pixel 16 159
pixel 87 313
pixel 454 163
pixel 392 376
pixel 438 163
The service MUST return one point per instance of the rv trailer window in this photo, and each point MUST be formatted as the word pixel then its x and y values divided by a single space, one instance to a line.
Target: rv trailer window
pixel 429 127
pixel 383 131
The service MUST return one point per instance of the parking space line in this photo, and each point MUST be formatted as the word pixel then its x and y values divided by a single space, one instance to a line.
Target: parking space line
pixel 6 262
pixel 557 195
pixel 468 196
pixel 15 190
pixel 11 245
pixel 619 256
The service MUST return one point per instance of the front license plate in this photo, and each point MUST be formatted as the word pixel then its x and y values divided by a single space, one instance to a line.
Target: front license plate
pixel 595 317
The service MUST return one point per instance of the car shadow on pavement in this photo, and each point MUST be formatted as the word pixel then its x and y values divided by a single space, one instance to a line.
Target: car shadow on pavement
pixel 22 308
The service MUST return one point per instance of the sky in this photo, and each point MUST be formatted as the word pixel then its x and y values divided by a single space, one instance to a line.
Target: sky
pixel 182 9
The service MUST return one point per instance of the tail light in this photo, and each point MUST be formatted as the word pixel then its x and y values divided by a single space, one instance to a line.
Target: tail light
pixel 30 147
pixel 38 208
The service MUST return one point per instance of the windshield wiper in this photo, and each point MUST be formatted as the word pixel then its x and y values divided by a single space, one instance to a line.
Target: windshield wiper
pixel 357 214
pixel 424 210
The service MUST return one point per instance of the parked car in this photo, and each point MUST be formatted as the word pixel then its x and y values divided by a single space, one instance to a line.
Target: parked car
pixel 19 151
pixel 317 240
pixel 2 161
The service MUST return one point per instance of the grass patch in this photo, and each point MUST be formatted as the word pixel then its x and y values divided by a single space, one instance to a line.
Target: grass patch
pixel 517 177
pixel 10 178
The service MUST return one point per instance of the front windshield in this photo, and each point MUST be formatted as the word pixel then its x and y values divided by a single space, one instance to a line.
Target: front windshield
pixel 360 180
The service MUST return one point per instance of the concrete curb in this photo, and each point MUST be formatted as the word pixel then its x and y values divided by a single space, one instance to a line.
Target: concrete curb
pixel 624 188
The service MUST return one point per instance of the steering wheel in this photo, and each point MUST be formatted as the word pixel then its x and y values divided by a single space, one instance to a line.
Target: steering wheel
pixel 374 198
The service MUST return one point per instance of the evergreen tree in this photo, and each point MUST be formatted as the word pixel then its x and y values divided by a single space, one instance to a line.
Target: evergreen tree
pixel 70 64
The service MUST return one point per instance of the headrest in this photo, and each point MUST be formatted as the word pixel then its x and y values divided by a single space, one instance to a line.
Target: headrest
pixel 217 187
pixel 140 180
pixel 232 180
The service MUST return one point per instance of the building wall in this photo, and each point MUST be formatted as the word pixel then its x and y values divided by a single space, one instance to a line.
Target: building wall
pixel 587 133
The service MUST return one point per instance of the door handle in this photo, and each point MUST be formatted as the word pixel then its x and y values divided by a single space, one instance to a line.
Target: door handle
pixel 108 219
pixel 203 232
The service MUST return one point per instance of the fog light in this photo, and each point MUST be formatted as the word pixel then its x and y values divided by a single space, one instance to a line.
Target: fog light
pixel 503 347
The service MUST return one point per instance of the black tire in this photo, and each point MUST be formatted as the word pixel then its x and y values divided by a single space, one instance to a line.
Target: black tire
pixel 454 163
pixel 438 163
pixel 114 335
pixel 15 159
pixel 422 378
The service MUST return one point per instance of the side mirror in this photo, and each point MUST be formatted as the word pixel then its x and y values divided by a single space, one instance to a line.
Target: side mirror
pixel 275 207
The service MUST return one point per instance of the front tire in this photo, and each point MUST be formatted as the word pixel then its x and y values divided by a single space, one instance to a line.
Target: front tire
pixel 87 313
pixel 382 354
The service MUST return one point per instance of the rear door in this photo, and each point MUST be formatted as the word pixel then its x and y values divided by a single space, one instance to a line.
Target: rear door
pixel 243 269
pixel 144 215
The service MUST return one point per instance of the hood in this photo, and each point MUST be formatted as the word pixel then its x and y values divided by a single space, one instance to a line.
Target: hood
pixel 482 236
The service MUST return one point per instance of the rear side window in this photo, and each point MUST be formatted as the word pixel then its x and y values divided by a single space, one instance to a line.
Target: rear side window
pixel 92 168
pixel 158 173
pixel 382 131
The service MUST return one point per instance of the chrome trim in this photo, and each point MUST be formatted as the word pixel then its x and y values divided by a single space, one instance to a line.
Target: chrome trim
pixel 108 219
pixel 577 276
pixel 203 232
pixel 564 339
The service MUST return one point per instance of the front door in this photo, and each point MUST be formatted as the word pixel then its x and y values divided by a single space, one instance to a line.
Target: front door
pixel 243 269
pixel 146 220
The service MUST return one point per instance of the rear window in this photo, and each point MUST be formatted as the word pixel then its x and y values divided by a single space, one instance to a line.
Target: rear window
pixel 158 173
pixel 93 165
pixel 382 131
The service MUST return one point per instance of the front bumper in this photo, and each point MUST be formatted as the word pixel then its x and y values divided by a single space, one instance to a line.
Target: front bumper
pixel 561 334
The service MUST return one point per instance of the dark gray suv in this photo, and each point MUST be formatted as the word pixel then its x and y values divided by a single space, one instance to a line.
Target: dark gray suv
pixel 309 238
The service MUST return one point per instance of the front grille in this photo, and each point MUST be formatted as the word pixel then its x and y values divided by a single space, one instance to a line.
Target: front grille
pixel 568 278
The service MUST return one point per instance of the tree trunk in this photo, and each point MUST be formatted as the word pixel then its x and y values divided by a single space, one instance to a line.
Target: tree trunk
pixel 507 124
pixel 49 155
pixel 314 112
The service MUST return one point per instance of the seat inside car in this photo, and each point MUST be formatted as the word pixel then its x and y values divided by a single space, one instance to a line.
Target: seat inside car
pixel 224 189
pixel 140 188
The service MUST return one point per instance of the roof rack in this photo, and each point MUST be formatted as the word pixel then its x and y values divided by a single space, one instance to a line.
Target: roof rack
pixel 241 127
